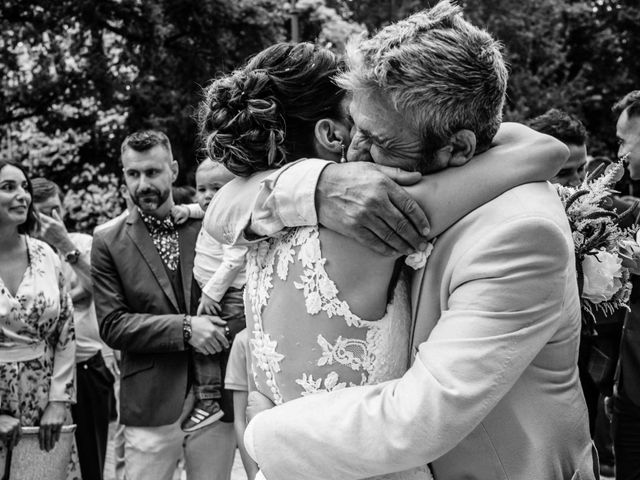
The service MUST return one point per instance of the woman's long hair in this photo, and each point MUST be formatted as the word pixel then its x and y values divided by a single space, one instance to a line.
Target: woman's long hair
pixel 32 223
pixel 264 114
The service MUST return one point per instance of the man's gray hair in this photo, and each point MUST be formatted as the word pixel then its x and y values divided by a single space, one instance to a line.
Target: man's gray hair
pixel 440 73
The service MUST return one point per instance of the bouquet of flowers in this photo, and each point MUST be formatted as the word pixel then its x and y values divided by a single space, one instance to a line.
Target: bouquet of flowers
pixel 606 253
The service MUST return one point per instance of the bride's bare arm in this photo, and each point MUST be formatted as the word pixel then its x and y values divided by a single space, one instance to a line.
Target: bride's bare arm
pixel 518 155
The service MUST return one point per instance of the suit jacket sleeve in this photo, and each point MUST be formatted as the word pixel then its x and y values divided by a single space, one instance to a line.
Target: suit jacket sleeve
pixel 121 328
pixel 250 209
pixel 506 295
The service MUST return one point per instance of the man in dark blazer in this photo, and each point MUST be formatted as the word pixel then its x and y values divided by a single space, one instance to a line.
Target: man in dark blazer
pixel 145 296
pixel 626 405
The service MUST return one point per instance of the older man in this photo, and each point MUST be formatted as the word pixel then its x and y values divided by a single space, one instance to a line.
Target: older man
pixel 146 300
pixel 493 391
pixel 626 407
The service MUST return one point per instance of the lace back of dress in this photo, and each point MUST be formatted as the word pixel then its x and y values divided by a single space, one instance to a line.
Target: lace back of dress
pixel 375 350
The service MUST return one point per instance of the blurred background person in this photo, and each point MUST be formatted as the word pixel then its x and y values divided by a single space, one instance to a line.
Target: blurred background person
pixel 184 194
pixel 239 380
pixel 570 131
pixel 96 367
pixel 626 399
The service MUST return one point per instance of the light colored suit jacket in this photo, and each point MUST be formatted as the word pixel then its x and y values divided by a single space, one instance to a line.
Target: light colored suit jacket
pixel 493 392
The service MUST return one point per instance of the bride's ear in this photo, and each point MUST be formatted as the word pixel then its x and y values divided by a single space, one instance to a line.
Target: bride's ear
pixel 459 150
pixel 330 137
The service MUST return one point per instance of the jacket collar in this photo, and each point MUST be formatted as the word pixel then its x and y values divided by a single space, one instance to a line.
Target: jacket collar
pixel 187 233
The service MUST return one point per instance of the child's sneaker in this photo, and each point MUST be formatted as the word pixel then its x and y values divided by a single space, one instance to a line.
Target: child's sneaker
pixel 204 413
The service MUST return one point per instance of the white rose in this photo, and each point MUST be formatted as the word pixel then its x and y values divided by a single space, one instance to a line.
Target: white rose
pixel 602 273
pixel 418 259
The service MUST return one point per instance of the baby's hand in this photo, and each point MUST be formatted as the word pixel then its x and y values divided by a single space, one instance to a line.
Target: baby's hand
pixel 208 306
pixel 180 214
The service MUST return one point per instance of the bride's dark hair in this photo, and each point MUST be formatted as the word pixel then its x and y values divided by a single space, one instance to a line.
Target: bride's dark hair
pixel 264 114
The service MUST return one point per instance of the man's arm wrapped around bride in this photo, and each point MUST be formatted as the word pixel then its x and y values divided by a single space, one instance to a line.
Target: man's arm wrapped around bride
pixel 491 325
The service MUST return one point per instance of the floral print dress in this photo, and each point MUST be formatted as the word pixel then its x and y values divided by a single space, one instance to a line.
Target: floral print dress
pixel 39 317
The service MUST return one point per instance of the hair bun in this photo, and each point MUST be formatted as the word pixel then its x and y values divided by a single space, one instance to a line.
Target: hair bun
pixel 240 123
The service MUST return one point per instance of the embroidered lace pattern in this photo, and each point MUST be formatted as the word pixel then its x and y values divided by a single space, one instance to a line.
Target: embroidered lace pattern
pixel 320 294
pixel 380 353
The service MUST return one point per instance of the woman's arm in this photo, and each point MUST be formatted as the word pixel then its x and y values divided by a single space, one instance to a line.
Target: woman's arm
pixel 62 391
pixel 240 425
pixel 64 361
pixel 518 155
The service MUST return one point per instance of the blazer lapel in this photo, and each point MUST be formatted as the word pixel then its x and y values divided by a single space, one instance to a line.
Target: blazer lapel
pixel 187 237
pixel 139 234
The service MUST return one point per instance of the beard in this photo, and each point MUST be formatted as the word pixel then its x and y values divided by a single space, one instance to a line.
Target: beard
pixel 149 199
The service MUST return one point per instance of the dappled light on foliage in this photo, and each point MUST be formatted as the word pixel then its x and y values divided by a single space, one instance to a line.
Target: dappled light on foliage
pixel 78 76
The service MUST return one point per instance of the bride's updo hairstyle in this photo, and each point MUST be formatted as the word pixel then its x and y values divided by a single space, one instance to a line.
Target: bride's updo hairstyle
pixel 263 115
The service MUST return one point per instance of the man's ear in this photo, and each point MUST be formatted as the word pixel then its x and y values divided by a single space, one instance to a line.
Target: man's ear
pixel 330 136
pixel 459 150
pixel 174 170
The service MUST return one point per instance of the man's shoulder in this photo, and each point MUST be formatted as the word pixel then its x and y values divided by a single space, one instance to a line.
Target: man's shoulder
pixel 530 207
pixel 537 201
pixel 108 232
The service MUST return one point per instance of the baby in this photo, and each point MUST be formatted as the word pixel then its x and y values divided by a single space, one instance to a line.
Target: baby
pixel 220 272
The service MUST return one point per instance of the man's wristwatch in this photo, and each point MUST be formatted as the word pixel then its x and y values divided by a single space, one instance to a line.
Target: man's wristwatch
pixel 72 257
pixel 186 328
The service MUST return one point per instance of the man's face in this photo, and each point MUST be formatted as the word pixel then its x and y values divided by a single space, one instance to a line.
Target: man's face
pixel 149 176
pixel 381 134
pixel 573 170
pixel 50 205
pixel 628 134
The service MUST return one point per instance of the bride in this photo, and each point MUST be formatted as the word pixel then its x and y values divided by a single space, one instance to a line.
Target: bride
pixel 323 311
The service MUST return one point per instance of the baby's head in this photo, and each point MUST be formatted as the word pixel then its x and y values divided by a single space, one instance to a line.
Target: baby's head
pixel 210 177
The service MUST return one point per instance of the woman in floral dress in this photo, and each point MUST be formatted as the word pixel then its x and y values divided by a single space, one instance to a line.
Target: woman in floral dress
pixel 37 339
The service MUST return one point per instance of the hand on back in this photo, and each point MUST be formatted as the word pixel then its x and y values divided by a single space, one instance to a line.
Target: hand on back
pixel 366 202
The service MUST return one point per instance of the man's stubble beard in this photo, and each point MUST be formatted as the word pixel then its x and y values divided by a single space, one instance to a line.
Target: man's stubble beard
pixel 145 206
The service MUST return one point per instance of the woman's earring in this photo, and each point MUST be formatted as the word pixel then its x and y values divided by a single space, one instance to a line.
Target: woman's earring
pixel 342 158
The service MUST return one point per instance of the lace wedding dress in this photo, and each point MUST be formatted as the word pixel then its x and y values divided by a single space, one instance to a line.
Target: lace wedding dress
pixel 304 339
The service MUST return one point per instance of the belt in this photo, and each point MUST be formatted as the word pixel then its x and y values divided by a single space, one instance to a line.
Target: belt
pixel 21 353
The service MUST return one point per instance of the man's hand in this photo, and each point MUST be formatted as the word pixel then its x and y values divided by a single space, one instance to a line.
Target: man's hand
pixel 9 431
pixel 608 407
pixel 111 362
pixel 366 202
pixel 53 231
pixel 180 214
pixel 208 334
pixel 257 403
pixel 208 306
pixel 51 424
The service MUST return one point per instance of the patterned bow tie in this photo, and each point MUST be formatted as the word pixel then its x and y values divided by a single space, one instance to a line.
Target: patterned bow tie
pixel 164 226
pixel 165 238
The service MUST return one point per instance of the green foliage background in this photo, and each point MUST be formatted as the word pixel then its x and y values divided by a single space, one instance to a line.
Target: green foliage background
pixel 78 75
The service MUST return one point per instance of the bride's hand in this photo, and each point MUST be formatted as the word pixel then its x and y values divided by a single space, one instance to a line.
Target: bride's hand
pixel 257 403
